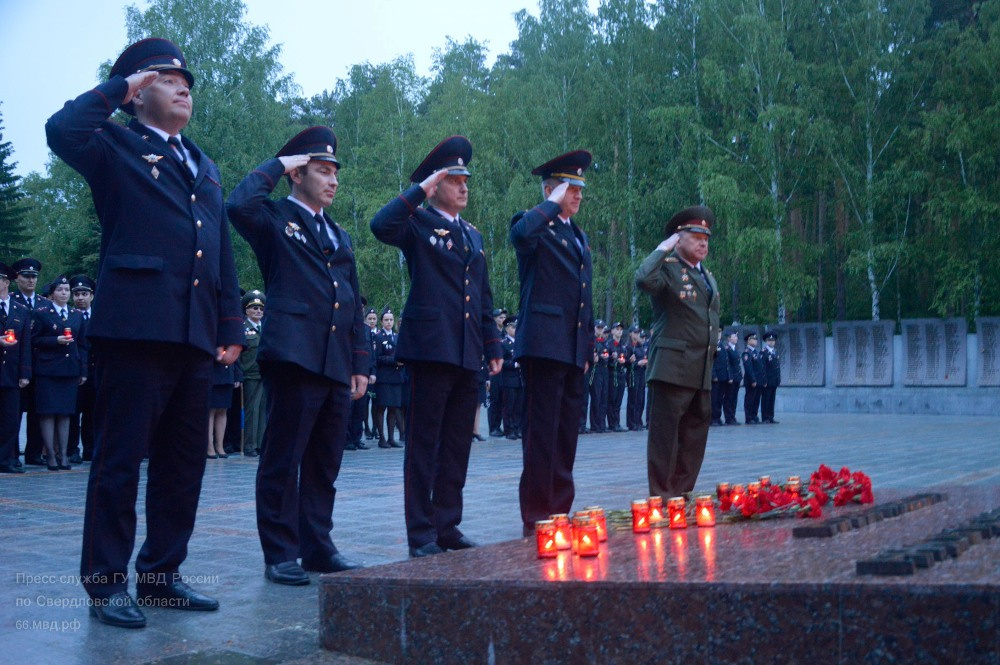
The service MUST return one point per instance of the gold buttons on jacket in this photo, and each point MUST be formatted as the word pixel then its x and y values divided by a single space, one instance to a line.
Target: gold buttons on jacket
pixel 193 198
pixel 467 298
pixel 198 223
pixel 333 328
pixel 335 285
pixel 466 315
pixel 196 282
pixel 336 305
pixel 198 253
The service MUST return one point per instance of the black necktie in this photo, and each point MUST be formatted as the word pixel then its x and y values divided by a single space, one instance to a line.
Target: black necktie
pixel 62 314
pixel 708 284
pixel 86 316
pixel 3 314
pixel 324 237
pixel 176 142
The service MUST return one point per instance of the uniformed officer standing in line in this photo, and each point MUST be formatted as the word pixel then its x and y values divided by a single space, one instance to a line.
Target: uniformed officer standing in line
pixel 637 361
pixel 81 425
pixel 752 366
pixel 735 377
pixel 772 378
pixel 371 320
pixel 686 307
pixel 313 352
pixel 617 377
pixel 720 381
pixel 356 430
pixel 513 386
pixel 254 412
pixel 555 343
pixel 391 377
pixel 494 414
pixel 447 330
pixel 26 275
pixel 15 369
pixel 163 233
pixel 597 379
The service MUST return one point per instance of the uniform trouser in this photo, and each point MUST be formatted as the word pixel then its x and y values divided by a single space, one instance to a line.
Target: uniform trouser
pixel 751 403
pixel 732 395
pixel 152 397
pixel 254 414
pixel 553 393
pixel 616 393
pixel 599 398
pixel 81 426
pixel 718 397
pixel 636 402
pixel 33 446
pixel 10 424
pixel 767 395
pixel 359 413
pixel 303 447
pixel 494 415
pixel 678 432
pixel 444 402
pixel 512 403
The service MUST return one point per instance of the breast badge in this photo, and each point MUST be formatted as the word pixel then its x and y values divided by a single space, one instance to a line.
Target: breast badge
pixel 293 230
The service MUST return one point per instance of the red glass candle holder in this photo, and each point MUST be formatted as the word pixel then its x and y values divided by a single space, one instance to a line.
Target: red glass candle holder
pixel 675 513
pixel 765 481
pixel 722 492
pixel 794 485
pixel 640 516
pixel 68 332
pixel 9 336
pixel 545 539
pixel 655 508
pixel 597 514
pixel 736 496
pixel 585 542
pixel 753 489
pixel 564 531
pixel 704 511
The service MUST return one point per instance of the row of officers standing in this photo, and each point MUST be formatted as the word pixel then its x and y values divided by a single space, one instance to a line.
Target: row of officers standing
pixel 757 369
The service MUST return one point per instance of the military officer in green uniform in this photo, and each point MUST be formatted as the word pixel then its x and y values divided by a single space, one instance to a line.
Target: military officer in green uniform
pixel 253 385
pixel 685 300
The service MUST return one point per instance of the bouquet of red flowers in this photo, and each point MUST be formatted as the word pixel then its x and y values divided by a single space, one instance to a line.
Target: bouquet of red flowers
pixel 766 500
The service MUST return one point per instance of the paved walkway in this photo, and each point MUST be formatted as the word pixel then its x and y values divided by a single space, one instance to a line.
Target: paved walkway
pixel 44 619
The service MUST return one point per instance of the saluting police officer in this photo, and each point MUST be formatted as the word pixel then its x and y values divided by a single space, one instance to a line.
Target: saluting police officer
pixel 447 330
pixel 163 232
pixel 15 369
pixel 555 342
pixel 313 351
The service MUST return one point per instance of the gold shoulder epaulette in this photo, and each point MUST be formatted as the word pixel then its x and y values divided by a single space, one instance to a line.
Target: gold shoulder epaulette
pixel 670 259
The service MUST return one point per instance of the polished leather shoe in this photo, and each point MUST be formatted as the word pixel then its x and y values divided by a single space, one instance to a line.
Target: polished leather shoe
pixel 496 434
pixel 425 550
pixel 732 423
pixel 350 446
pixel 771 421
pixel 460 543
pixel 396 444
pixel 335 563
pixel 35 461
pixel 382 443
pixel 118 610
pixel 53 467
pixel 7 468
pixel 478 437
pixel 286 572
pixel 176 596
pixel 75 459
pixel 65 467
pixel 361 445
pixel 250 453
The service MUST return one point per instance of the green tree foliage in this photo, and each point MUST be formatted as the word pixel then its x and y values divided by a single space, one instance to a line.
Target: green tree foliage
pixel 848 147
pixel 13 235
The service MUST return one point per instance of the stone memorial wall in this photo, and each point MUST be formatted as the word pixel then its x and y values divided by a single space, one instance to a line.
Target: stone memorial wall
pixel 802 348
pixel 934 352
pixel 863 353
pixel 988 334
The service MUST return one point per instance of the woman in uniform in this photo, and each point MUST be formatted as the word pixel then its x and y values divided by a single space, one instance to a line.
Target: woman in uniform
pixel 389 379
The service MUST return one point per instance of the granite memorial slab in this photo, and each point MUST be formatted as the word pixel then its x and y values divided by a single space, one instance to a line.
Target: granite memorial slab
pixel 988 338
pixel 863 353
pixel 745 592
pixel 803 354
pixel 934 352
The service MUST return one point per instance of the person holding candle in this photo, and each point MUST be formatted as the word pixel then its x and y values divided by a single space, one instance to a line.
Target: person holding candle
pixel 313 353
pixel 81 425
pixel 447 331
pixel 685 300
pixel 555 341
pixel 59 355
pixel 15 369
pixel 164 234
pixel 26 276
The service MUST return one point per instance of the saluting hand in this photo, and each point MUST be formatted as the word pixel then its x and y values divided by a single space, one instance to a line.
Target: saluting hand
pixel 137 82
pixel 292 162
pixel 669 244
pixel 430 183
pixel 559 193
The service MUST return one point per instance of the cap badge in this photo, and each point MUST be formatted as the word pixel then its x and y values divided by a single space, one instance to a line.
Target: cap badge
pixel 579 171
pixel 329 149
pixel 461 162
pixel 176 62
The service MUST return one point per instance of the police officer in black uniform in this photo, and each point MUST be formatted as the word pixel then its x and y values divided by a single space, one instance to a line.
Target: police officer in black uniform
pixel 597 379
pixel 446 332
pixel 390 378
pixel 313 352
pixel 494 413
pixel 15 369
pixel 753 366
pixel 554 344
pixel 357 429
pixel 636 380
pixel 513 386
pixel 26 275
pixel 163 232
pixel 732 386
pixel 772 378
pixel 617 376
pixel 81 425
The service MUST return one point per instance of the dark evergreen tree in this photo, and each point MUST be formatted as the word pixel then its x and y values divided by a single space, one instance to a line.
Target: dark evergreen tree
pixel 13 236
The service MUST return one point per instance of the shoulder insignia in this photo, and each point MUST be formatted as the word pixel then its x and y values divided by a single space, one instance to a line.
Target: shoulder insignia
pixel 670 259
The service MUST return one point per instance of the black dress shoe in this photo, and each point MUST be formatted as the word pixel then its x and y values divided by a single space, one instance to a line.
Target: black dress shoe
pixel 619 429
pixel 425 550
pixel 350 446
pixel 118 610
pixel 286 572
pixel 334 564
pixel 771 421
pixel 35 461
pixel 223 455
pixel 75 459
pixel 249 453
pixel 382 443
pixel 53 468
pixel 496 434
pixel 396 444
pixel 17 463
pixel 65 467
pixel 733 423
pixel 7 468
pixel 176 596
pixel 460 543
pixel 478 437
pixel 212 456
pixel 363 446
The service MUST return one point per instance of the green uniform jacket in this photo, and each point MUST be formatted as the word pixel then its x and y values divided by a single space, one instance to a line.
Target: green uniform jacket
pixel 686 326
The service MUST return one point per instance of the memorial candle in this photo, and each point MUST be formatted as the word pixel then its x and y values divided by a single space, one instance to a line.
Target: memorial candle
pixel 704 511
pixel 564 531
pixel 765 481
pixel 545 538
pixel 722 492
pixel 794 485
pixel 655 508
pixel 675 511
pixel 597 514
pixel 736 496
pixel 585 541
pixel 68 332
pixel 640 516
pixel 10 336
